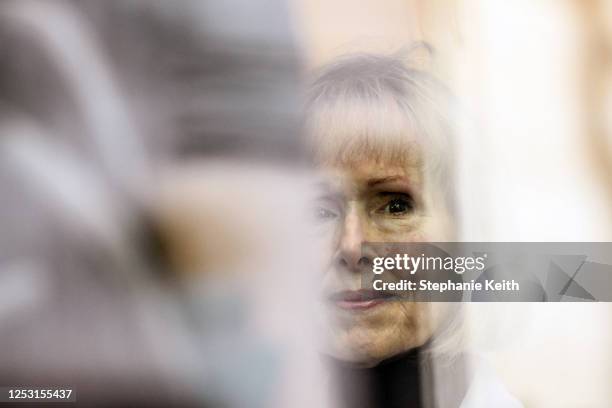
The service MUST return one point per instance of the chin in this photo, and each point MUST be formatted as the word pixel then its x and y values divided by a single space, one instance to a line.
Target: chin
pixel 367 338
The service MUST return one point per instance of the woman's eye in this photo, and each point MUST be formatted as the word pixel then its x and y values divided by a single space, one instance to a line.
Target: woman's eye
pixel 323 214
pixel 397 206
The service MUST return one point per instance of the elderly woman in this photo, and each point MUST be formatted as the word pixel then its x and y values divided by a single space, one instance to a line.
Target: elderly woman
pixel 380 133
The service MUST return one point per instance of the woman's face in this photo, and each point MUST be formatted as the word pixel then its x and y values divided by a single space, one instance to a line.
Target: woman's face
pixel 373 200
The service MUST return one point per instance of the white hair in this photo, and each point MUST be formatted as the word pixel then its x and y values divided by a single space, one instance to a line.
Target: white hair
pixel 374 106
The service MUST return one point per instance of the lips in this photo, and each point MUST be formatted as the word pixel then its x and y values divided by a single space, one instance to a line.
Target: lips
pixel 359 299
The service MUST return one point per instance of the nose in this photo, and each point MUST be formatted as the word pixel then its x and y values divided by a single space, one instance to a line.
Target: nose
pixel 350 252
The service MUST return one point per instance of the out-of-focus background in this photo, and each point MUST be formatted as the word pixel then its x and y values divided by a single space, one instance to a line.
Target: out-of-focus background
pixel 534 80
pixel 153 198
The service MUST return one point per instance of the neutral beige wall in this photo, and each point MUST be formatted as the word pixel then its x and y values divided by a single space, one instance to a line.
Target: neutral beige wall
pixel 328 28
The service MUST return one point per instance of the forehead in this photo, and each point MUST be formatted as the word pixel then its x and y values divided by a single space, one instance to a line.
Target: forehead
pixel 365 160
pixel 370 173
pixel 373 168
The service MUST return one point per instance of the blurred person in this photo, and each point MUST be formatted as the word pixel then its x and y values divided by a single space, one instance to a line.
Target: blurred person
pixel 381 135
pixel 143 250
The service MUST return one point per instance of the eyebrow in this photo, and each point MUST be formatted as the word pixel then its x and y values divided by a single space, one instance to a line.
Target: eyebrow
pixel 328 191
pixel 383 180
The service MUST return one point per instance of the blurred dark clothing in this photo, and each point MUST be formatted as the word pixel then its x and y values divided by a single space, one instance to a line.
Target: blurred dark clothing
pixel 403 381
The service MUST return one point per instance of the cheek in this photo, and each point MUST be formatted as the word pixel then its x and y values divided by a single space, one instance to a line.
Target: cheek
pixel 410 229
pixel 435 225
pixel 324 239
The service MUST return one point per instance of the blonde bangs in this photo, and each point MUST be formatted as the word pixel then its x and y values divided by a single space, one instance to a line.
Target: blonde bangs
pixel 349 130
